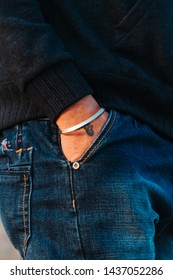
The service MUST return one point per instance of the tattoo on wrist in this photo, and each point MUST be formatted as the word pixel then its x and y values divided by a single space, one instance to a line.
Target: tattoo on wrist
pixel 89 129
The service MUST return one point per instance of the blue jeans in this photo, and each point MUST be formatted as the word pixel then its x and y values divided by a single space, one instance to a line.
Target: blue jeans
pixel 116 202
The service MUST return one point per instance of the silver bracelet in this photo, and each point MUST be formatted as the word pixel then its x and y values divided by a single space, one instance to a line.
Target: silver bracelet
pixel 82 124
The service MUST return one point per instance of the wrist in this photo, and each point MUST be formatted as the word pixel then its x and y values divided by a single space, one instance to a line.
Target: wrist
pixel 84 123
pixel 78 112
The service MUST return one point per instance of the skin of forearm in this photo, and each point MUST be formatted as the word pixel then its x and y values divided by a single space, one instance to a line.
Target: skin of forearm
pixel 78 112
pixel 75 143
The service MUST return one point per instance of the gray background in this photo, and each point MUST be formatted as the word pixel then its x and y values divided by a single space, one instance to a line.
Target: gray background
pixel 7 251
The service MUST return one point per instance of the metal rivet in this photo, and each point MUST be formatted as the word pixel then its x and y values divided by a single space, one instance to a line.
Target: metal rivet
pixel 76 165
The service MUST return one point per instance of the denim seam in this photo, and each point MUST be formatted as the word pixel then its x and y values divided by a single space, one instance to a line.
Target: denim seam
pixel 100 141
pixel 24 215
pixel 73 197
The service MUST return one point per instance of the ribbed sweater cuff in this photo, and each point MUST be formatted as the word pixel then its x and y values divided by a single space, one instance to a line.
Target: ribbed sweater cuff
pixel 58 88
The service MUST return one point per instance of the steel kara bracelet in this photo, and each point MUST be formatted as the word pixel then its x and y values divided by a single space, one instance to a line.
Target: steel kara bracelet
pixel 82 124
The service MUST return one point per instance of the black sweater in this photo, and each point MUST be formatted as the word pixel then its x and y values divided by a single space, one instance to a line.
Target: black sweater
pixel 54 52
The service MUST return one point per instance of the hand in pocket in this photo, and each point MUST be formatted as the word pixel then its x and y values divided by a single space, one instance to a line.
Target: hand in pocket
pixel 75 144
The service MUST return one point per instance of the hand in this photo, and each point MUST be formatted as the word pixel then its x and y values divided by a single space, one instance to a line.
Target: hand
pixel 74 144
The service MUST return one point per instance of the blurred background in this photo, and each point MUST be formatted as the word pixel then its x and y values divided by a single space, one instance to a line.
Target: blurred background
pixel 7 251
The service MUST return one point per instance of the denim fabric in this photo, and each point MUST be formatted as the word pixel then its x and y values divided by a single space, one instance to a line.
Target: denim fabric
pixel 116 202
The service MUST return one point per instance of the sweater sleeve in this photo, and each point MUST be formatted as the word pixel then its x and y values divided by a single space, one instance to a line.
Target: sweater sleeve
pixel 35 59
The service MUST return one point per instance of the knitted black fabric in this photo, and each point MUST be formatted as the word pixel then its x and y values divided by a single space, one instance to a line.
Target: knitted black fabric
pixel 53 52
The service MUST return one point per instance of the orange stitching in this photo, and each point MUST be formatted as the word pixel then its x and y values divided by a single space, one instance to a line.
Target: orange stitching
pixel 96 146
pixel 73 203
pixel 24 215
pixel 19 151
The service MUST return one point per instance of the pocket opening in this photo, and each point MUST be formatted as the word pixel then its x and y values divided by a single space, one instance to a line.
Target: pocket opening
pixel 100 138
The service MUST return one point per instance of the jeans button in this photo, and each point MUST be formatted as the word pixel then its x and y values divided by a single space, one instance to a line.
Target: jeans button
pixel 76 165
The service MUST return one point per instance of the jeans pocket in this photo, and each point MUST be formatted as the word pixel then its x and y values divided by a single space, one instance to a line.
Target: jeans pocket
pixel 101 138
pixel 15 201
